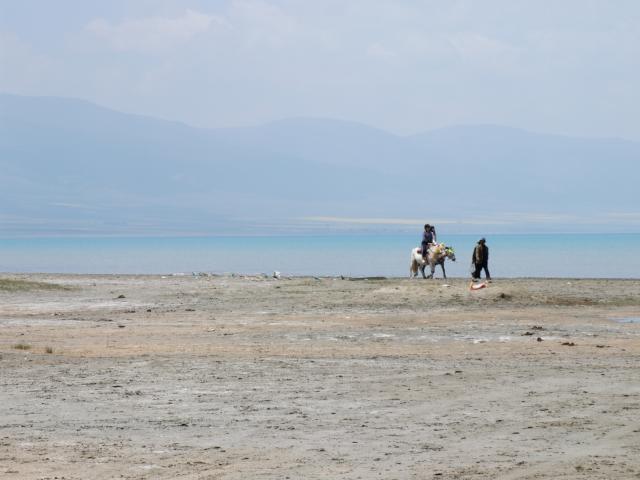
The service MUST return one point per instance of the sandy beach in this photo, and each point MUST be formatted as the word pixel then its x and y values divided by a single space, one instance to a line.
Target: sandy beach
pixel 250 377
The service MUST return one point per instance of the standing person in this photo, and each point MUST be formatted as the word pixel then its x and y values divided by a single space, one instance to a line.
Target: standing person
pixel 427 240
pixel 480 259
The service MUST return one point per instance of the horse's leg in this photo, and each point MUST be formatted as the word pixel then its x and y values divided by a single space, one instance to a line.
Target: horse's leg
pixel 422 267
pixel 414 269
pixel 432 267
pixel 444 274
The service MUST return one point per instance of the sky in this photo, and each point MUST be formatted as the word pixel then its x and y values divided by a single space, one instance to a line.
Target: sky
pixel 406 66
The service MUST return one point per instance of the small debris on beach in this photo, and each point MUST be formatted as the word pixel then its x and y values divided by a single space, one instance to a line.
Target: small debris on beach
pixel 569 344
pixel 539 339
pixel 473 287
pixel 121 296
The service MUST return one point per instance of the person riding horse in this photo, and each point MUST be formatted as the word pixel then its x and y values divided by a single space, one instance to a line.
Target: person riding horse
pixel 428 239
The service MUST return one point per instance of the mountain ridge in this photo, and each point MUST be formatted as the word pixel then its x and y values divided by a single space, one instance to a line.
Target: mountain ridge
pixel 312 119
pixel 56 151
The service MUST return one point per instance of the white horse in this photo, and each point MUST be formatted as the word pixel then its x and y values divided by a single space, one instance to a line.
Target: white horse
pixel 436 256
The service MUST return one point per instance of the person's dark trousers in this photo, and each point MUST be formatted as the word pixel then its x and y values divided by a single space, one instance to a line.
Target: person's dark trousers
pixel 485 267
pixel 425 249
pixel 479 268
pixel 476 272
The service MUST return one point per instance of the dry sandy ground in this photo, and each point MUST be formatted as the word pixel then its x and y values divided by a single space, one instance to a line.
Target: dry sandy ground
pixel 149 377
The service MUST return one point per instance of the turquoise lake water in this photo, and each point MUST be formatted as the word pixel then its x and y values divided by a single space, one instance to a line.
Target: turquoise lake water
pixel 553 255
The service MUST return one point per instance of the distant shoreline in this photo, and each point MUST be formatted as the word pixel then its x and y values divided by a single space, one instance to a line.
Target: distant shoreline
pixel 284 276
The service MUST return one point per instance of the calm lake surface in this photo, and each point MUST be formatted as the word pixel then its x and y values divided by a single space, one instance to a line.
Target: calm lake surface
pixel 554 255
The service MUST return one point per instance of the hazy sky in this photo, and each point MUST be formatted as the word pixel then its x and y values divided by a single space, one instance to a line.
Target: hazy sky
pixel 560 66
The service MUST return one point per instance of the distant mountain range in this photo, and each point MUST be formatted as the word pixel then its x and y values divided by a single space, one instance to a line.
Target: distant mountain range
pixel 69 166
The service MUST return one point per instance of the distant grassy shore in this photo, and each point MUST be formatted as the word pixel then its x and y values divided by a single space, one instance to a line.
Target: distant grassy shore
pixel 18 285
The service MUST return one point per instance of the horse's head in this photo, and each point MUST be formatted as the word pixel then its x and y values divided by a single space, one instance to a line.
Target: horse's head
pixel 450 253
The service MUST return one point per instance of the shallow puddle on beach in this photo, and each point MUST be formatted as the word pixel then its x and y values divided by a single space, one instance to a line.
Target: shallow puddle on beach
pixel 627 319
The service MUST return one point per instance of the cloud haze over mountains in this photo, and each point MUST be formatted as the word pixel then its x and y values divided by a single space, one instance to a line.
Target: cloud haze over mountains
pixel 566 67
pixel 69 166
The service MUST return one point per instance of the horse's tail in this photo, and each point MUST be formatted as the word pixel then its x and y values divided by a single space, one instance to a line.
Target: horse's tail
pixel 413 268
